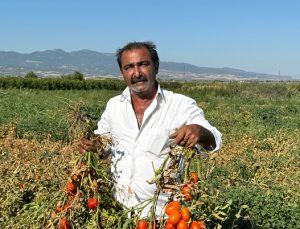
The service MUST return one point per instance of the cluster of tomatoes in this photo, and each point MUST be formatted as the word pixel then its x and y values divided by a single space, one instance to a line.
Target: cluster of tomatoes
pixel 179 217
pixel 188 187
pixel 75 193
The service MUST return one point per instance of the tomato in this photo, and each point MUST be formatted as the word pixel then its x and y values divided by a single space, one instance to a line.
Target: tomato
pixel 67 206
pixel 22 186
pixel 92 203
pixel 197 225
pixel 182 225
pixel 194 176
pixel 174 217
pixel 58 210
pixel 186 191
pixel 64 223
pixel 142 224
pixel 185 214
pixel 71 188
pixel 169 226
pixel 188 196
pixel 174 205
pixel 76 177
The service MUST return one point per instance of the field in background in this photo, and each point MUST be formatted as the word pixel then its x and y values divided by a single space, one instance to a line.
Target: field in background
pixel 256 174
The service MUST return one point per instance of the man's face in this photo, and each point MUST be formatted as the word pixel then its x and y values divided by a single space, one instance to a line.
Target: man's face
pixel 139 71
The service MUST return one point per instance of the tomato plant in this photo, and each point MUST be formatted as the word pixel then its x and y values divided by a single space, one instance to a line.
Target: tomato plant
pixel 92 203
pixel 174 205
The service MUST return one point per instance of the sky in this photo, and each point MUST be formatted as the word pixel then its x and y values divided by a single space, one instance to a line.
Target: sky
pixel 253 35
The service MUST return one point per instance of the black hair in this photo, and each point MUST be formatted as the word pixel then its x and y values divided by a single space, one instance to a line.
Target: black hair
pixel 149 45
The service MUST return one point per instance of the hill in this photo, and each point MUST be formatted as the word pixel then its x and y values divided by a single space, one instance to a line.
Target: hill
pixel 92 64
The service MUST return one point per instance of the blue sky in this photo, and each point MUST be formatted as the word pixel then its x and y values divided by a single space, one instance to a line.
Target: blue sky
pixel 253 35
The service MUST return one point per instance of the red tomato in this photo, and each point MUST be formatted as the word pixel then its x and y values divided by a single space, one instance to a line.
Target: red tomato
pixel 142 224
pixel 174 205
pixel 188 196
pixel 76 177
pixel 58 210
pixel 71 188
pixel 169 226
pixel 64 223
pixel 174 217
pixel 92 203
pixel 194 176
pixel 182 225
pixel 186 191
pixel 197 225
pixel 67 206
pixel 185 214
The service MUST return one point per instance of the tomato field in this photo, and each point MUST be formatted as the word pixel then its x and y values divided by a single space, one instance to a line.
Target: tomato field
pixel 252 182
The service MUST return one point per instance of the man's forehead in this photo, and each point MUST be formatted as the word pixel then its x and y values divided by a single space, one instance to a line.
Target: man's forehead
pixel 140 50
pixel 137 54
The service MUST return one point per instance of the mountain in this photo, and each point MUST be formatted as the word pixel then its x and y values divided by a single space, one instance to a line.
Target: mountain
pixel 56 62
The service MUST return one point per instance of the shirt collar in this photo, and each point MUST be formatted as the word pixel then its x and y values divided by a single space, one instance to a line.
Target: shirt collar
pixel 126 93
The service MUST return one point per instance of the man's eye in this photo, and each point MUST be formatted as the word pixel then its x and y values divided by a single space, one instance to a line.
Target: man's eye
pixel 127 67
pixel 144 64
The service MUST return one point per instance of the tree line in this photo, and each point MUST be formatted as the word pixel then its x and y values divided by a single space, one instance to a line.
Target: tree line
pixel 72 81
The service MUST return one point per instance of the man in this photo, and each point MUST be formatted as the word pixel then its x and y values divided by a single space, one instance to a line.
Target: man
pixel 141 122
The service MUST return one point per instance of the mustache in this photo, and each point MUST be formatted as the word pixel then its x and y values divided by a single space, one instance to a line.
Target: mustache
pixel 140 78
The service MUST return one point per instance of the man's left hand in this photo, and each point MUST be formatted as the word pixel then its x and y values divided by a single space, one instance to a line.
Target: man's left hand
pixel 188 135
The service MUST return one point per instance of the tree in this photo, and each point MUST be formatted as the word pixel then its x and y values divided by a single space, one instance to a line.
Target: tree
pixel 31 75
pixel 75 76
pixel 78 75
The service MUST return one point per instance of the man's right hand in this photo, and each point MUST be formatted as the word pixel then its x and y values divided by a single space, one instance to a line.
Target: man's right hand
pixel 85 145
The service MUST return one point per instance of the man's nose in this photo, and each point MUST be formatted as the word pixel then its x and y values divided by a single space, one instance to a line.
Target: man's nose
pixel 136 71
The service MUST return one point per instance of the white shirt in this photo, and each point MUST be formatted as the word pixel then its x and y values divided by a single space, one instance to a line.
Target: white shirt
pixel 136 150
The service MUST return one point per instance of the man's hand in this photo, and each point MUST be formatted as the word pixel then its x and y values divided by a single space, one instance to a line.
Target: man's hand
pixel 86 145
pixel 190 135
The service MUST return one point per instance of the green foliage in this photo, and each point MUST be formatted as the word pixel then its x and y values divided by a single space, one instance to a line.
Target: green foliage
pixel 64 83
pixel 74 76
pixel 41 114
pixel 31 75
pixel 265 209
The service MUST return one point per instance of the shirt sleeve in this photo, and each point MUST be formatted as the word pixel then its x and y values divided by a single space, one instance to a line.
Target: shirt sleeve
pixel 195 115
pixel 103 126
